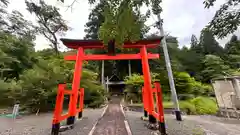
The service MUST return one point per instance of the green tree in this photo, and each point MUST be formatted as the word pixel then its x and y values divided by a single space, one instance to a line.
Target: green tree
pixel 95 18
pixel 19 26
pixel 120 23
pixel 232 51
pixel 189 87
pixel 226 19
pixel 214 67
pixel 194 42
pixel 18 54
pixel 209 44
pixel 183 82
pixel 38 86
pixel 191 61
pixel 50 22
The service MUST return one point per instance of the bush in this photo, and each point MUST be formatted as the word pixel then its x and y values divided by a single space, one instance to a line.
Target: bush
pixel 188 107
pixel 185 106
pixel 135 83
pixel 198 105
pixel 205 105
pixel 185 84
pixel 38 86
pixel 6 98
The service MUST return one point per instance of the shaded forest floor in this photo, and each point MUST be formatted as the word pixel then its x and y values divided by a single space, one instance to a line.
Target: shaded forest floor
pixel 192 125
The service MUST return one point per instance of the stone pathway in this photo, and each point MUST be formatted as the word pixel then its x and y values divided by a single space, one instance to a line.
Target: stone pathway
pixel 112 122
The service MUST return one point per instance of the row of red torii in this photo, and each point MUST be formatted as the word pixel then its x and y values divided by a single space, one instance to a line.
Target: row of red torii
pixel 76 103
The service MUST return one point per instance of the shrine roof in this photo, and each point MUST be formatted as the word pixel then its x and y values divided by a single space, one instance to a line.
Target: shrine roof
pixel 91 44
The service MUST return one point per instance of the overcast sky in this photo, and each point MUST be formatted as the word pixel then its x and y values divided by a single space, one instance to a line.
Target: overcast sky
pixel 182 18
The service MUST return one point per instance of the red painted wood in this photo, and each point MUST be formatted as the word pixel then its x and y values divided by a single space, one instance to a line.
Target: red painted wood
pixel 91 44
pixel 147 79
pixel 159 101
pixel 76 82
pixel 156 115
pixel 67 92
pixel 144 98
pixel 64 116
pixel 59 104
pixel 108 57
pixel 82 99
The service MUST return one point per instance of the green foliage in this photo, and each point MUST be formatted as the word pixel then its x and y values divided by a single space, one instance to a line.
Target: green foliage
pixel 232 50
pixel 37 87
pixel 121 20
pixel 195 106
pixel 96 18
pixel 50 22
pixel 185 84
pixel 199 105
pixel 121 23
pixel 226 19
pixel 214 67
pixel 208 43
pixel 134 79
pixel 134 86
pixel 5 89
pixel 15 55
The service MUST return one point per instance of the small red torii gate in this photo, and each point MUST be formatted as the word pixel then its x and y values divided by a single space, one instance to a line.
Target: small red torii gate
pixel 78 93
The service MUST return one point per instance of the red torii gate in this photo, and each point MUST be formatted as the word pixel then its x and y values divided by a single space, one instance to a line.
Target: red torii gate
pixel 78 93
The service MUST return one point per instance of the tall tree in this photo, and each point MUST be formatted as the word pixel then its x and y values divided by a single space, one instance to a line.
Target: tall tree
pixel 232 51
pixel 209 44
pixel 120 23
pixel 50 21
pixel 95 18
pixel 214 67
pixel 17 53
pixel 19 26
pixel 226 19
pixel 194 41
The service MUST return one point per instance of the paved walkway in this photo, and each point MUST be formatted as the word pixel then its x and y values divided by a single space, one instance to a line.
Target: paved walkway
pixel 112 122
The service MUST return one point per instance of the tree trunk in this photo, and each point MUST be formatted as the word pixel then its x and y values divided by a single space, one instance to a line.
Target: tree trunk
pixel 111 47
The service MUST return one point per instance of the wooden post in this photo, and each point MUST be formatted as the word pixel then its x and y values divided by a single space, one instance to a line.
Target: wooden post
pixel 75 86
pixel 129 68
pixel 58 110
pixel 147 84
pixel 107 84
pixel 161 123
pixel 102 72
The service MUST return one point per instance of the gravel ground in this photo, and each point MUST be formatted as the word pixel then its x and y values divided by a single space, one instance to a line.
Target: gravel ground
pixel 41 125
pixel 192 125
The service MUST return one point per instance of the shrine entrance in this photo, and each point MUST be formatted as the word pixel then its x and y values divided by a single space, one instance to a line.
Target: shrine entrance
pixel 114 84
pixel 76 103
